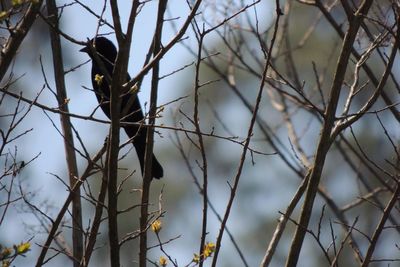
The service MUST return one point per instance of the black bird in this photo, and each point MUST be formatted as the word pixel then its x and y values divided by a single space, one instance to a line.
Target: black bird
pixel 107 53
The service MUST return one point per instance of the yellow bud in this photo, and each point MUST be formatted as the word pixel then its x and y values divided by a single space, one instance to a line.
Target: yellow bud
pixel 196 258
pixel 163 261
pixel 23 248
pixel 6 252
pixel 156 226
pixel 98 79
pixel 209 248
pixel 3 15
pixel 207 253
pixel 17 2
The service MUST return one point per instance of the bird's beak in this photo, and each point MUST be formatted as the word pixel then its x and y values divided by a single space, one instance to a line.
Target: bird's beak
pixel 85 49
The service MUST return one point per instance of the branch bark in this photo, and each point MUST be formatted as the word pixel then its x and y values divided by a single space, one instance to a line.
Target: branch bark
pixel 77 236
pixel 196 121
pixel 380 226
pixel 325 141
pixel 147 175
pixel 56 223
pixel 18 35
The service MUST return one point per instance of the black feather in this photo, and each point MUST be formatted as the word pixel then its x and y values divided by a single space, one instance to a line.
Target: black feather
pixel 107 53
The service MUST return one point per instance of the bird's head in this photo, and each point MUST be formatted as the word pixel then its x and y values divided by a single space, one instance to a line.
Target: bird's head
pixel 102 46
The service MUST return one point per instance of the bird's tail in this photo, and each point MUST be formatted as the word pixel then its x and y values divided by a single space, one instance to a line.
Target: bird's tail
pixel 139 141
